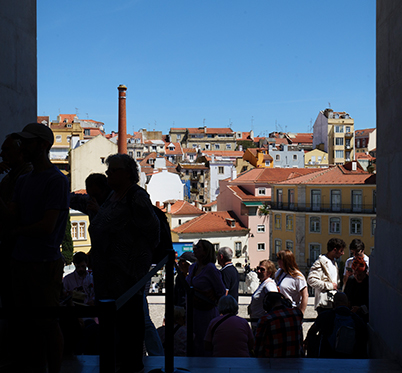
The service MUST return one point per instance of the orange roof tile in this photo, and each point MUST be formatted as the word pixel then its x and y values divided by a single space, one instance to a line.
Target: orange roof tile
pixel 272 175
pixel 185 208
pixel 363 133
pixel 245 195
pixel 364 156
pixel 68 117
pixel 304 138
pixel 177 149
pixel 189 150
pixel 212 222
pixel 224 153
pixel 210 204
pixel 43 118
pixel 211 130
pixel 335 175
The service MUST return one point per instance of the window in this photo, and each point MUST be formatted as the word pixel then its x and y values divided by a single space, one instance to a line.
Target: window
pixel 279 197
pixel 154 148
pixel 357 198
pixel 336 200
pixel 228 146
pixel 373 226
pixel 238 249
pixel 338 153
pixel 261 228
pixel 295 157
pixel 210 136
pixel 58 138
pixel 347 143
pixel 315 200
pixel 261 191
pixel 289 245
pixel 216 146
pixel 74 230
pixel 355 226
pixel 138 154
pixel 220 170
pixel 339 141
pixel 278 224
pixel 87 132
pixel 207 146
pixel 334 225
pixel 289 222
pixel 347 130
pixel 191 157
pixel 179 221
pixel 102 160
pixel 315 252
pixel 267 163
pixel 291 198
pixel 68 138
pixel 277 157
pixel 130 153
pixel 81 230
pixel 315 224
pixel 178 137
pixel 339 129
pixel 278 246
pixel 195 146
pixel 261 246
pixel 216 246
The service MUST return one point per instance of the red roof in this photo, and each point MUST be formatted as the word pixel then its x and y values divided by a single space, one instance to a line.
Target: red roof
pixel 363 133
pixel 302 138
pixel 224 153
pixel 177 149
pixel 218 221
pixel 68 117
pixel 211 130
pixel 272 175
pixel 185 208
pixel 245 195
pixel 336 175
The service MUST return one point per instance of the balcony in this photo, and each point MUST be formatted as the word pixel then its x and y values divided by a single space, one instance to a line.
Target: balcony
pixel 348 134
pixel 338 208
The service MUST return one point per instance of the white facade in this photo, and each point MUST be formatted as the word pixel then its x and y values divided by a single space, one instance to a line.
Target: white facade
pixel 89 158
pixel 320 131
pixel 164 186
pixel 219 170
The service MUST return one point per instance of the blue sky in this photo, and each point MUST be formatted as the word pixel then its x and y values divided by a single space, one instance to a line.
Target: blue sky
pixel 263 65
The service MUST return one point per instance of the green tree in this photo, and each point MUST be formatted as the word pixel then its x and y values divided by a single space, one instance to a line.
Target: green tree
pixel 246 144
pixel 67 247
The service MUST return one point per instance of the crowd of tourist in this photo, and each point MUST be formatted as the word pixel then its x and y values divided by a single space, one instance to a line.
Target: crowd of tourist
pixel 34 204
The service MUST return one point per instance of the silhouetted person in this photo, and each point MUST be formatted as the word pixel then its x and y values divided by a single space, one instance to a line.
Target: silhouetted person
pixel 41 203
pixel 230 275
pixel 14 166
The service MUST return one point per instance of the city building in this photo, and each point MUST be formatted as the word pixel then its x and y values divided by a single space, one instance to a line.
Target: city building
pixel 334 134
pixel 179 212
pixel 308 210
pixel 287 156
pixel 365 140
pixel 196 181
pixel 258 157
pixel 316 158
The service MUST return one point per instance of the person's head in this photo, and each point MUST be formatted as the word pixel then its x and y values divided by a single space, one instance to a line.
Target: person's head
pixel 11 150
pixel 37 139
pixel 266 269
pixel 228 305
pixel 225 255
pixel 80 261
pixel 356 247
pixel 359 267
pixel 179 315
pixel 287 262
pixel 336 247
pixel 204 251
pixel 122 171
pixel 185 260
pixel 340 300
pixel 97 187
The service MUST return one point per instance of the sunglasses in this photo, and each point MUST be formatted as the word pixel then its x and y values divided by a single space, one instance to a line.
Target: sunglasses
pixel 262 269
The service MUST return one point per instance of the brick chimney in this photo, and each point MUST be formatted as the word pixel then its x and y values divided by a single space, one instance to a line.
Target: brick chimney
pixel 122 140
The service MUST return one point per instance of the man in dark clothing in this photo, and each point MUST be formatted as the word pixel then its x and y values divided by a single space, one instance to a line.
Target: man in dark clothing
pixel 230 275
pixel 341 333
pixel 185 260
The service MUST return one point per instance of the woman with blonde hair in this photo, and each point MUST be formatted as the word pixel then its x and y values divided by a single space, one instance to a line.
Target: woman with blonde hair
pixel 290 281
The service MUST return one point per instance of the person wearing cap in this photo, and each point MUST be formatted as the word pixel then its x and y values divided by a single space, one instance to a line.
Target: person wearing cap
pixel 184 262
pixel 41 205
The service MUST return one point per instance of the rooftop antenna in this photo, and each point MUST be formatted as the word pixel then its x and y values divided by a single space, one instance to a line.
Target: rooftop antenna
pixel 310 127
pixel 203 122
pixel 76 112
pixel 329 105
pixel 87 115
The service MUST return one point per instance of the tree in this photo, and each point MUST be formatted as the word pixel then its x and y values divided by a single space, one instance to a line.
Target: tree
pixel 67 247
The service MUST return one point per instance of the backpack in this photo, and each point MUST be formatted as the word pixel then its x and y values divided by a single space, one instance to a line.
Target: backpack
pixel 165 238
pixel 343 337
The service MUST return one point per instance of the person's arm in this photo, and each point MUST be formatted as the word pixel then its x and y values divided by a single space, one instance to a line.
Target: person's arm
pixel 304 300
pixel 314 278
pixel 43 227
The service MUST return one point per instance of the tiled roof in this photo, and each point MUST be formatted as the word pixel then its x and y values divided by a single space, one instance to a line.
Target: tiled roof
pixel 43 118
pixel 363 133
pixel 272 175
pixel 245 195
pixel 194 166
pixel 244 136
pixel 69 117
pixel 224 153
pixel 364 156
pixel 304 138
pixel 212 222
pixel 211 130
pixel 210 204
pixel 185 208
pixel 189 150
pixel 177 149
pixel 335 175
pixel 80 191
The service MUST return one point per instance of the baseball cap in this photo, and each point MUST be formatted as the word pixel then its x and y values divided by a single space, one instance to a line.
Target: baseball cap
pixel 37 130
pixel 188 256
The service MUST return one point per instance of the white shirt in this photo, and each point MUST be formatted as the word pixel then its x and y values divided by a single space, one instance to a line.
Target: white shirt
pixel 290 286
pixel 349 262
pixel 256 308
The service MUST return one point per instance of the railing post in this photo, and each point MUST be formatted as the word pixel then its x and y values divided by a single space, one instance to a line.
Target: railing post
pixel 107 355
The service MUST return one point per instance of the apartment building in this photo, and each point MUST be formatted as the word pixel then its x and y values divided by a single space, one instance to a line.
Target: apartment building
pixel 316 159
pixel 334 134
pixel 307 211
pixel 365 140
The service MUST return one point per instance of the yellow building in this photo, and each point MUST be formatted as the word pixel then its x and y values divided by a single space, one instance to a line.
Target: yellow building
pixel 79 231
pixel 334 134
pixel 316 159
pixel 258 157
pixel 309 210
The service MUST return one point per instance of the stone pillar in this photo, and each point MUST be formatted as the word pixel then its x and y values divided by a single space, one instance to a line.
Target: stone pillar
pixel 122 140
